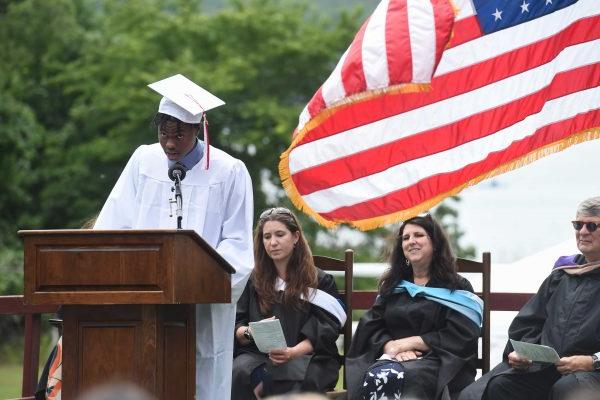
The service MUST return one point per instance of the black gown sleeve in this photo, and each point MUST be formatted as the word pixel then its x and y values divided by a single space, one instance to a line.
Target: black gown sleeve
pixel 242 312
pixel 328 285
pixel 366 346
pixel 529 322
pixel 322 328
pixel 458 336
pixel 371 334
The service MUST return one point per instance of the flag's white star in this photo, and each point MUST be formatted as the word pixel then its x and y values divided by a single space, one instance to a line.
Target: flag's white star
pixel 525 7
pixel 497 15
pixel 548 2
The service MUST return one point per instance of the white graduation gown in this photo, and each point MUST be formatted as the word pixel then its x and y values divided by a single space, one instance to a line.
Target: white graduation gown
pixel 217 204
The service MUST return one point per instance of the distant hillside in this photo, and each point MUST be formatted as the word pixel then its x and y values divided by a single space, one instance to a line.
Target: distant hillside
pixel 329 6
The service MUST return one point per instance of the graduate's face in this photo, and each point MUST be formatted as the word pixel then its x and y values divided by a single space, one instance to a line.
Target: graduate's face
pixel 417 246
pixel 279 241
pixel 588 242
pixel 176 139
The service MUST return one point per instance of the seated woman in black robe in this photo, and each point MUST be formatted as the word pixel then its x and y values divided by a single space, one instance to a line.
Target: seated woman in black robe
pixel 419 340
pixel 563 314
pixel 286 285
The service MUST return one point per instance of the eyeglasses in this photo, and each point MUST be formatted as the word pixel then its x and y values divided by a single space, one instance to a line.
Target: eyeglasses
pixel 590 226
pixel 275 210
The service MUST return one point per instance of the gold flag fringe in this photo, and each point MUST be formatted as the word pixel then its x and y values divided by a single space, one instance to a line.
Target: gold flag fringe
pixel 456 10
pixel 294 195
pixel 376 222
pixel 284 172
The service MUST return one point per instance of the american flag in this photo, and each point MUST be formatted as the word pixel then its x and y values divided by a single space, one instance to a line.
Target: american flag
pixel 519 80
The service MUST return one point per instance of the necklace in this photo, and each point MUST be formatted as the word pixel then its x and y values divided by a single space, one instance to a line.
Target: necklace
pixel 421 283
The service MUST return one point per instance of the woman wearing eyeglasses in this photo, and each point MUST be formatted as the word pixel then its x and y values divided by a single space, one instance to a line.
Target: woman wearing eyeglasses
pixel 565 315
pixel 286 285
pixel 419 340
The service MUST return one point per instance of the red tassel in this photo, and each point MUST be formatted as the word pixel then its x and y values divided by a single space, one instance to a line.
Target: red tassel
pixel 206 141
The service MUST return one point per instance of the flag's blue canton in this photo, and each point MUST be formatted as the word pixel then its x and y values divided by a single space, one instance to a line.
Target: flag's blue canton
pixel 494 15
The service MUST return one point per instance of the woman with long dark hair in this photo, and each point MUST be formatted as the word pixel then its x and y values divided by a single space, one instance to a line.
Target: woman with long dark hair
pixel 286 285
pixel 419 340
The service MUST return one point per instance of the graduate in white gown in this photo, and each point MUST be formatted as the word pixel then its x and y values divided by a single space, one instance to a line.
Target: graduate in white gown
pixel 217 204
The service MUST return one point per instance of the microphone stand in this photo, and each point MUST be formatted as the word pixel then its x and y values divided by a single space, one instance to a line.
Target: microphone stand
pixel 176 173
pixel 178 200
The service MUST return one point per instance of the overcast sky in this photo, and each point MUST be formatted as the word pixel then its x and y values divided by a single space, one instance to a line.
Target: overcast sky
pixel 524 211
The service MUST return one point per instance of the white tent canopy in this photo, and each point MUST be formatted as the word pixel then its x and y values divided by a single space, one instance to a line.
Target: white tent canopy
pixel 527 274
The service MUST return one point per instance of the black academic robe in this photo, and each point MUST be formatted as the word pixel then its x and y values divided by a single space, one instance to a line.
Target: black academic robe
pixel 564 314
pixel 451 336
pixel 317 372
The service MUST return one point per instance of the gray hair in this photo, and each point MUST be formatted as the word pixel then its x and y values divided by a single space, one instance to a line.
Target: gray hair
pixel 589 207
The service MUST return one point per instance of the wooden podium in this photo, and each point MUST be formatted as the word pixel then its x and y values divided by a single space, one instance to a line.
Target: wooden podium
pixel 128 299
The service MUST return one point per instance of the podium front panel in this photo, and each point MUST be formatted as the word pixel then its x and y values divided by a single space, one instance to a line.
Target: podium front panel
pixel 123 267
pixel 152 346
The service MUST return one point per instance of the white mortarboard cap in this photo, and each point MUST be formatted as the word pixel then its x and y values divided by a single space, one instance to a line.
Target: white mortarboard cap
pixel 183 99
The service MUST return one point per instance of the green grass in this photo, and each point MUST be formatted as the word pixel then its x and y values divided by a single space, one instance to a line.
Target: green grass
pixel 11 364
pixel 10 381
pixel 340 382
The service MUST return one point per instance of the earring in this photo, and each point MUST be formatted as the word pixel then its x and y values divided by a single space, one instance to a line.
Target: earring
pixel 407 262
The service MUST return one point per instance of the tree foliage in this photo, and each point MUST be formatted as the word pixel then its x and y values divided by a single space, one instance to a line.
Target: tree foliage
pixel 75 102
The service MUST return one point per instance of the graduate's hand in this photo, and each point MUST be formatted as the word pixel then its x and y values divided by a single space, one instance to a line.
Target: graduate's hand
pixel 390 348
pixel 408 355
pixel 258 390
pixel 568 365
pixel 239 335
pixel 518 362
pixel 282 356
pixel 413 343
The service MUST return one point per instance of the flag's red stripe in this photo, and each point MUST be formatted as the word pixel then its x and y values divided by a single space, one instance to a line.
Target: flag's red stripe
pixel 430 187
pixel 399 66
pixel 397 43
pixel 353 76
pixel 317 103
pixel 436 140
pixel 444 20
pixel 465 30
pixel 457 82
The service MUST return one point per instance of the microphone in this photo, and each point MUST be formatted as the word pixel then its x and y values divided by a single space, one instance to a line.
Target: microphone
pixel 176 174
pixel 177 171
